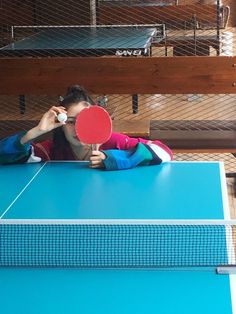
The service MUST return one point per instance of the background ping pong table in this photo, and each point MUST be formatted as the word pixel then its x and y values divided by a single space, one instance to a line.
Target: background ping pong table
pixel 70 192
pixel 84 41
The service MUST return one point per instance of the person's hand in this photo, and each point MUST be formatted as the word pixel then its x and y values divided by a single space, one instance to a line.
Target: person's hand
pixel 49 120
pixel 47 123
pixel 96 159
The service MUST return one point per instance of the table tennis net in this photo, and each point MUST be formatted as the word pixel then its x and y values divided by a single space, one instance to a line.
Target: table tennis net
pixel 117 245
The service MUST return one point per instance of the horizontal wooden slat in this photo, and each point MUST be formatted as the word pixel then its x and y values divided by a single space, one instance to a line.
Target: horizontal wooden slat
pixel 191 46
pixel 178 139
pixel 111 75
pixel 123 75
pixel 133 128
pixel 195 135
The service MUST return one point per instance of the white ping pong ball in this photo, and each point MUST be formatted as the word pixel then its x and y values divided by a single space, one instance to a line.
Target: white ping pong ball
pixel 62 117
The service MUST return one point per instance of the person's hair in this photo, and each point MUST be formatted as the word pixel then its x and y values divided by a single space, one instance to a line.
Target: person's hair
pixel 74 95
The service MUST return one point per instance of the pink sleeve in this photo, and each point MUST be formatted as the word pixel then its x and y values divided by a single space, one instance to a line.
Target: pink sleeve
pixel 120 141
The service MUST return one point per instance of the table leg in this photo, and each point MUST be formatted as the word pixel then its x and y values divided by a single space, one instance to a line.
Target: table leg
pixel 22 104
pixel 135 103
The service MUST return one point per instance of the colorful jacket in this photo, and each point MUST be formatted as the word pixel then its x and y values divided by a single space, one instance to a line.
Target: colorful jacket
pixel 122 152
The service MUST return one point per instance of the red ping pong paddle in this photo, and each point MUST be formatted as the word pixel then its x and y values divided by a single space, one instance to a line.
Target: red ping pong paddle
pixel 93 126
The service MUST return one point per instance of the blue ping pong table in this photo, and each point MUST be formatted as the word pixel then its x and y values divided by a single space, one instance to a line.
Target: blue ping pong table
pixel 85 41
pixel 71 193
pixel 54 41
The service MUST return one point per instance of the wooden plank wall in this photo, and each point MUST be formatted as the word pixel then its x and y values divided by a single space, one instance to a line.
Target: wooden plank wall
pixel 232 17
pixel 172 16
pixel 149 75
pixel 41 12
pixel 15 12
pixel 68 12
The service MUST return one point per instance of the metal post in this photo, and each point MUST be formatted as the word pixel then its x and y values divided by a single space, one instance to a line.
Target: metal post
pixel 93 13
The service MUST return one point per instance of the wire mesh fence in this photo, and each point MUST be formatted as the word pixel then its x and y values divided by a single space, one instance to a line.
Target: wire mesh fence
pixel 189 28
pixel 192 27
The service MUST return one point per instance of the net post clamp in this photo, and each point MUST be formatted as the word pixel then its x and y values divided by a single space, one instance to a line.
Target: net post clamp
pixel 226 270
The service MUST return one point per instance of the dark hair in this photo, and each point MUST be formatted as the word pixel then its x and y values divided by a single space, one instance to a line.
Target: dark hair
pixel 74 95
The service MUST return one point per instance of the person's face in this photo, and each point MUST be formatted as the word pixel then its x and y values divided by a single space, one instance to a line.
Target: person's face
pixel 69 127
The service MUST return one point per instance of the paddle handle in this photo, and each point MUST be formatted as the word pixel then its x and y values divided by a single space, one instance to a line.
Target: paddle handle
pixel 95 146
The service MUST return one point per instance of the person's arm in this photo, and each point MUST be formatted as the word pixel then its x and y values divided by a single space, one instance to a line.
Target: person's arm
pixel 124 142
pixel 12 151
pixel 141 155
pixel 18 149
pixel 129 152
pixel 47 123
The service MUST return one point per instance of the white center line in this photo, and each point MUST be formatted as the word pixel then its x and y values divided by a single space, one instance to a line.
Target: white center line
pixel 7 209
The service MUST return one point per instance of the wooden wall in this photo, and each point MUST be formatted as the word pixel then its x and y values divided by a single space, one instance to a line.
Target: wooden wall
pixel 231 3
pixel 172 16
pixel 110 75
pixel 69 12
pixel 41 12
pixel 17 12
pixel 232 17
pixel 46 12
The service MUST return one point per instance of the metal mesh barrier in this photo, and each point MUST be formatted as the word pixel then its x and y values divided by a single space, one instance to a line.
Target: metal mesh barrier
pixel 190 28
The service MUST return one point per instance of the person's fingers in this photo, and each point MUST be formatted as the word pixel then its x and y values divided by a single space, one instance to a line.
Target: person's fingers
pixel 49 119
pixel 96 161
pixel 54 111
pixel 95 158
pixel 96 165
pixel 97 153
pixel 58 109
